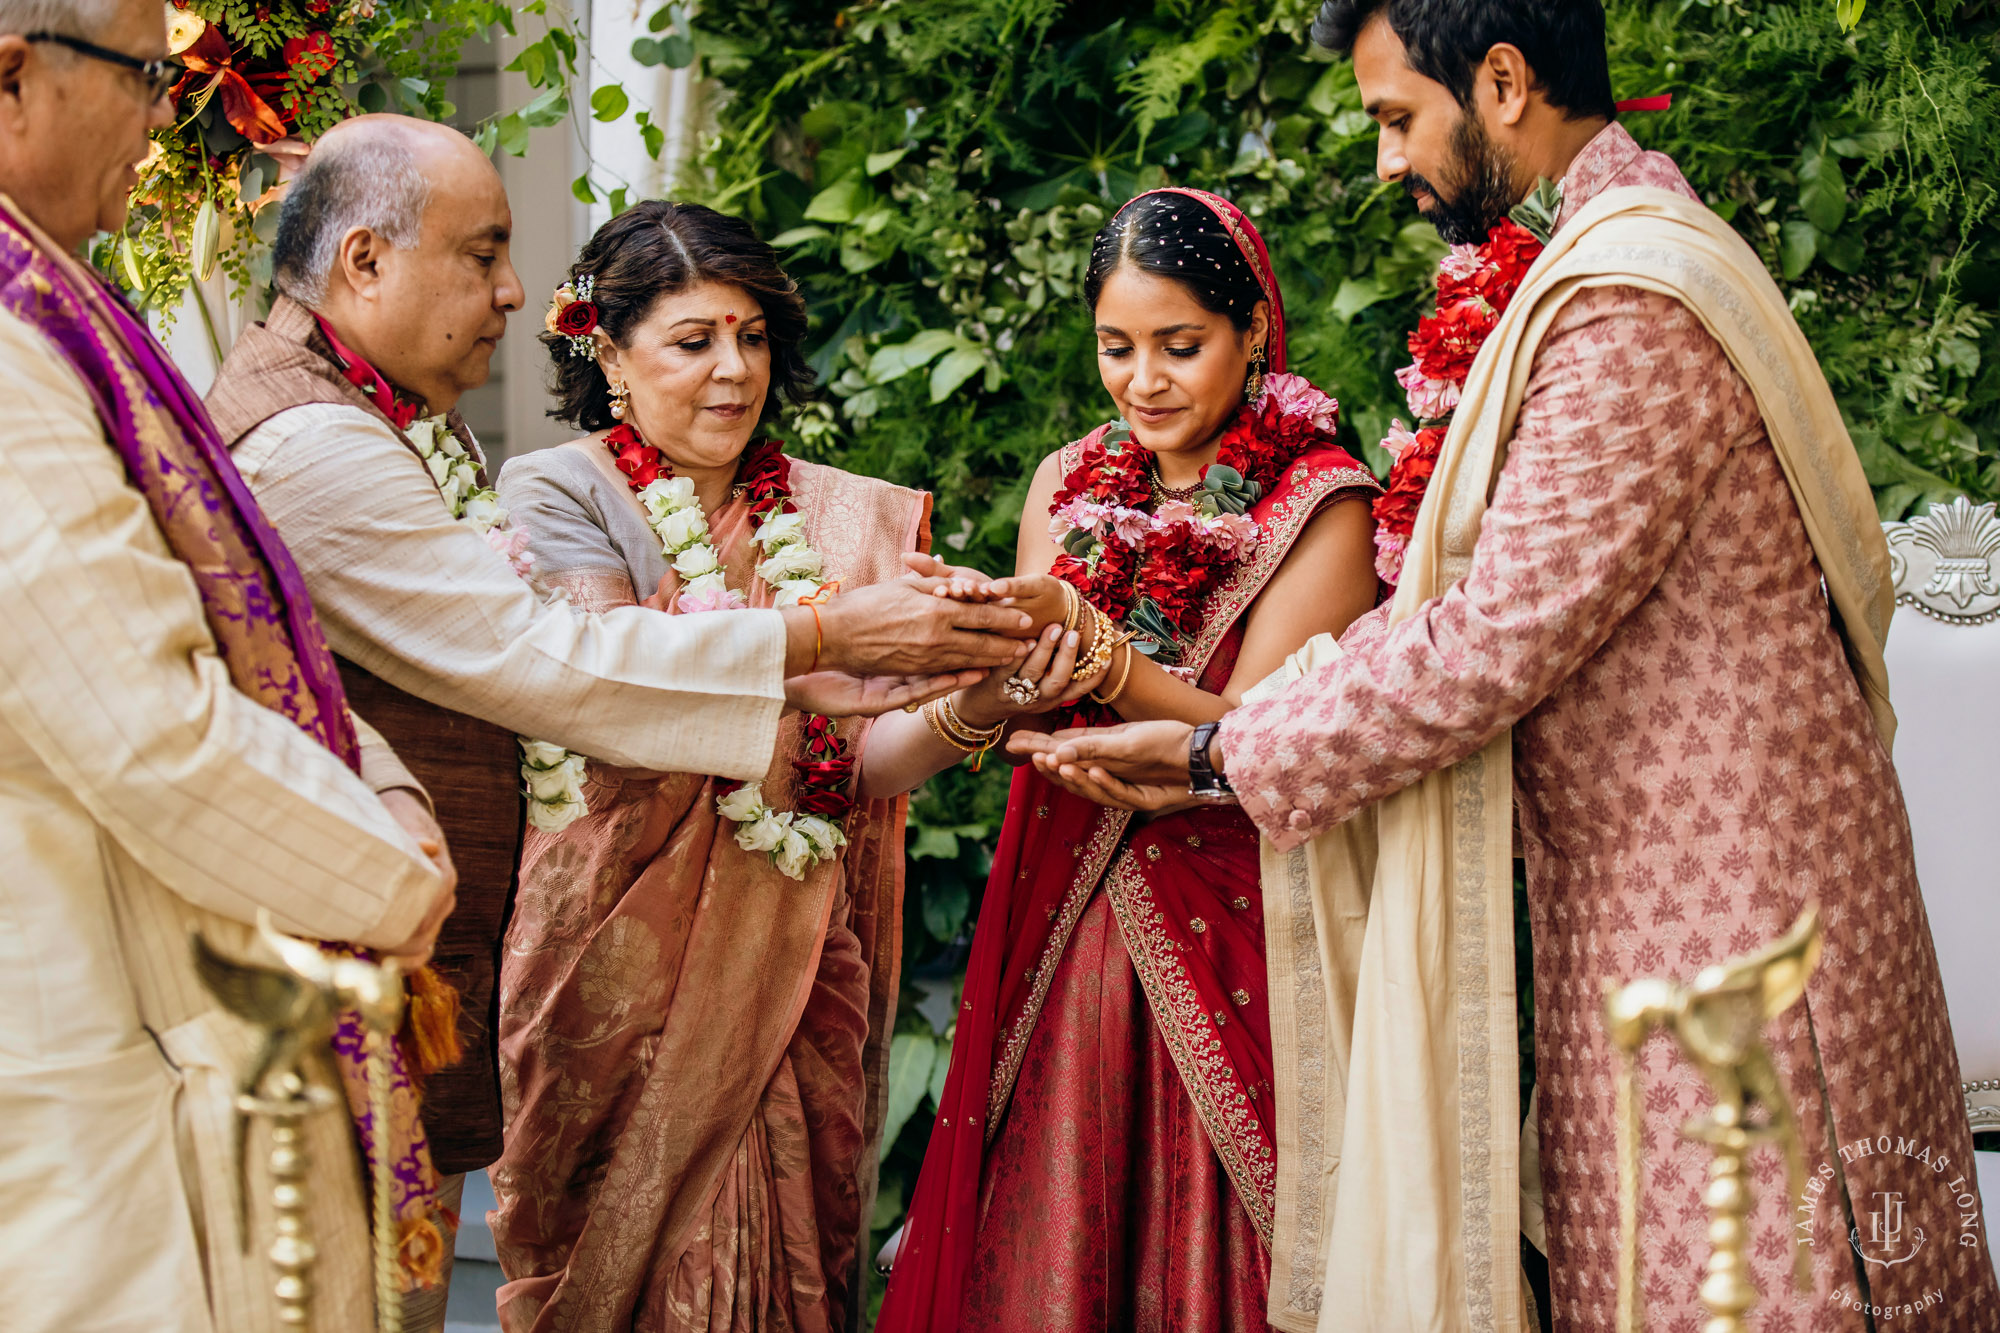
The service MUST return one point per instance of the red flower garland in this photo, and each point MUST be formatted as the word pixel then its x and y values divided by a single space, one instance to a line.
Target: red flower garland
pixel 1177 575
pixel 764 475
pixel 1474 286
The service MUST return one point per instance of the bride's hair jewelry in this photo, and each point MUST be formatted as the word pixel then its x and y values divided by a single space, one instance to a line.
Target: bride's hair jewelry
pixel 654 249
pixel 1173 236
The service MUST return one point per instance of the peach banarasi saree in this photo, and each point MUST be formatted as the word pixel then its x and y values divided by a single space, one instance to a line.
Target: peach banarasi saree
pixel 692 1044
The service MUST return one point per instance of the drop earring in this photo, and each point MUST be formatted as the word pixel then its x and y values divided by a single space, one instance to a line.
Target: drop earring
pixel 621 400
pixel 1253 385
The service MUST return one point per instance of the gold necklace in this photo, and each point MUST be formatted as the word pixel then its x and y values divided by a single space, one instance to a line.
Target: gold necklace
pixel 1163 492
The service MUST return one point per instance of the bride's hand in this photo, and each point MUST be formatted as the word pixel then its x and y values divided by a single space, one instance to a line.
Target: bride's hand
pixel 960 583
pixel 1049 670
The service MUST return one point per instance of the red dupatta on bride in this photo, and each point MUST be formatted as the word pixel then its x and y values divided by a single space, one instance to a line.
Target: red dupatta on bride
pixel 1200 962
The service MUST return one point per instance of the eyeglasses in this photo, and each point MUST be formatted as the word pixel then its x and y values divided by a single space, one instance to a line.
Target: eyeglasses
pixel 157 77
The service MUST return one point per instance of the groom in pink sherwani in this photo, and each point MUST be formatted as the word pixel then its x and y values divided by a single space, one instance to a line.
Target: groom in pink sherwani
pixel 1694 760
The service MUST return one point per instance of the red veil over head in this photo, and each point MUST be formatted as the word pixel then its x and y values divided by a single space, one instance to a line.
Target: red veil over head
pixel 1251 244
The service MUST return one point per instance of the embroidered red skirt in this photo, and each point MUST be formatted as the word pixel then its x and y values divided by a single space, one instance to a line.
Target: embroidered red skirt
pixel 1103 1205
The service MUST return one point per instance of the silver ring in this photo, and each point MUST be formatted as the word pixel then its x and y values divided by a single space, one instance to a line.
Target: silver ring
pixel 1020 691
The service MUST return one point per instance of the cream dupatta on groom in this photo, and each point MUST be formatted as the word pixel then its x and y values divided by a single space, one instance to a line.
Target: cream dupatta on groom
pixel 1391 935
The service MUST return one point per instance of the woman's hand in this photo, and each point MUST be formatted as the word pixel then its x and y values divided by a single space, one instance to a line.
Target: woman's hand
pixel 1137 766
pixel 1049 671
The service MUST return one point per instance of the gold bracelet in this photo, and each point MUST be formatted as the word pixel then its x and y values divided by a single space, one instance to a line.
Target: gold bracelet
pixel 931 715
pixel 1073 605
pixel 982 737
pixel 1123 676
pixel 1102 644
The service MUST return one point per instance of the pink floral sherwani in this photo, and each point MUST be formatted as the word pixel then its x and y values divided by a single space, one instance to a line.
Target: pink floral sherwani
pixel 1693 763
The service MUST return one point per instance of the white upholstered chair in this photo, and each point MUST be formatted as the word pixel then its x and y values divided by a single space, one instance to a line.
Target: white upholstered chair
pixel 1944 680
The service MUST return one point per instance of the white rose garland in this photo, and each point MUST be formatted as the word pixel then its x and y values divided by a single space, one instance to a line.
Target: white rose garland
pixel 552 776
pixel 794 842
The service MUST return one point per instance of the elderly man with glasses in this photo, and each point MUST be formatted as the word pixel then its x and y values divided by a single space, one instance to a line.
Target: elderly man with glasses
pixel 176 752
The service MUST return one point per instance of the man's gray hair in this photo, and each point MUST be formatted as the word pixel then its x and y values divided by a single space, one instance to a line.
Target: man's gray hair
pixel 72 18
pixel 368 182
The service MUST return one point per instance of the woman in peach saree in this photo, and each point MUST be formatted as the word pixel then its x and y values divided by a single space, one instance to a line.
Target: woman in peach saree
pixel 697 983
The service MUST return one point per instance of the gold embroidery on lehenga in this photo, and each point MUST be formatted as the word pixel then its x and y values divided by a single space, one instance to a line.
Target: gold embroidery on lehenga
pixel 1232 596
pixel 1191 1036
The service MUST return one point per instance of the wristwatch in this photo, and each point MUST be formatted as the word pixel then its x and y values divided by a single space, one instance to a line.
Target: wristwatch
pixel 1203 781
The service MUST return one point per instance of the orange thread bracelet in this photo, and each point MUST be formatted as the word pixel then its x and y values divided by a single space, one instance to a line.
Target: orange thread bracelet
pixel 813 603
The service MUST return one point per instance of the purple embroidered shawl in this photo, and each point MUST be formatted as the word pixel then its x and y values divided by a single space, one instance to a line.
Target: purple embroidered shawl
pixel 255 602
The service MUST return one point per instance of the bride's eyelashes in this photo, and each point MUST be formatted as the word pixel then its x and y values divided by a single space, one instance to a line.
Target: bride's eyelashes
pixel 1183 353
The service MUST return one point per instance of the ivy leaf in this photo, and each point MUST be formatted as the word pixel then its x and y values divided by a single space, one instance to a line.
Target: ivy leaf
pixel 532 63
pixel 545 110
pixel 1822 189
pixel 838 202
pixel 655 138
pixel 512 134
pixel 1798 242
pixel 663 18
pixel 609 102
pixel 618 201
pixel 956 368
pixel 487 137
pixel 580 187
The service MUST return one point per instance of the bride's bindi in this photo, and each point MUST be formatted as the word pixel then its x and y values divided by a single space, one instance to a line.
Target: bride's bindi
pixel 729 318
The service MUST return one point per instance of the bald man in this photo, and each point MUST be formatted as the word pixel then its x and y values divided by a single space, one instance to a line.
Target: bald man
pixel 392 261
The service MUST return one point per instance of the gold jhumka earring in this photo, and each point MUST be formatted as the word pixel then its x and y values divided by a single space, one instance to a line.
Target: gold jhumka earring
pixel 1254 384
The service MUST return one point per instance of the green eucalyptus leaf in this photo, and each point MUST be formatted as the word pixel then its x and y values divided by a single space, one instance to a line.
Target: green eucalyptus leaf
pixel 676 52
pixel 648 51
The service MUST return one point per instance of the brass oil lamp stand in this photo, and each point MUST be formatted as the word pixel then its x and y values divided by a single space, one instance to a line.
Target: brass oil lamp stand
pixel 296 1006
pixel 1717 1021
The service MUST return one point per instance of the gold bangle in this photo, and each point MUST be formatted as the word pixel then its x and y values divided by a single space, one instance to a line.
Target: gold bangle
pixel 938 728
pixel 1123 676
pixel 1103 635
pixel 982 738
pixel 1073 605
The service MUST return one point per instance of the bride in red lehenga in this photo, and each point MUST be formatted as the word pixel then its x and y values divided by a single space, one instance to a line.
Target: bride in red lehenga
pixel 1103 1156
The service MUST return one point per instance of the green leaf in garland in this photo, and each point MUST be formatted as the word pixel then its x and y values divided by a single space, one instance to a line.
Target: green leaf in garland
pixel 1158 638
pixel 1539 211
pixel 1229 490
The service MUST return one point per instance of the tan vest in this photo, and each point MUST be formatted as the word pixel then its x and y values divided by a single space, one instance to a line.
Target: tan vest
pixel 470 767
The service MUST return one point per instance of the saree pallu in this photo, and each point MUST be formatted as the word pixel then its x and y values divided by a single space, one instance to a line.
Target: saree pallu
pixel 1103 1152
pixel 693 1045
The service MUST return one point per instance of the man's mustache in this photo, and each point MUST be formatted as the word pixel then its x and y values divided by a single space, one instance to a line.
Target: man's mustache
pixel 1413 185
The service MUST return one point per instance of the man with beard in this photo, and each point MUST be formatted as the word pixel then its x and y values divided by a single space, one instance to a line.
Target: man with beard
pixel 1639 626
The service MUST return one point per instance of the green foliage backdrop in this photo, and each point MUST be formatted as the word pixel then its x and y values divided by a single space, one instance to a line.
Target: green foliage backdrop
pixel 934 170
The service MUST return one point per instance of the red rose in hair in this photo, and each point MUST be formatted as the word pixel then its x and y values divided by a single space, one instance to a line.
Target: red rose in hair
pixel 576 319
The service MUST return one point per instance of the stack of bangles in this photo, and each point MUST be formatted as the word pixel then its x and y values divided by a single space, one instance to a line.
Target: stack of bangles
pixel 1105 640
pixel 954 731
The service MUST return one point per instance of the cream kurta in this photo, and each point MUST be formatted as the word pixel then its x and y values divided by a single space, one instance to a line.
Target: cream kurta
pixel 141 798
pixel 409 593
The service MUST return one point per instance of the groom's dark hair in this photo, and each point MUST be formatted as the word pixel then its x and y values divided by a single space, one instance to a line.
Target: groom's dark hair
pixel 1563 41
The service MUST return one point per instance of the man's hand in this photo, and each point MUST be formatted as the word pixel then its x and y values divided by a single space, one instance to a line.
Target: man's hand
pixel 1136 766
pixel 837 694
pixel 901 629
pixel 409 810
